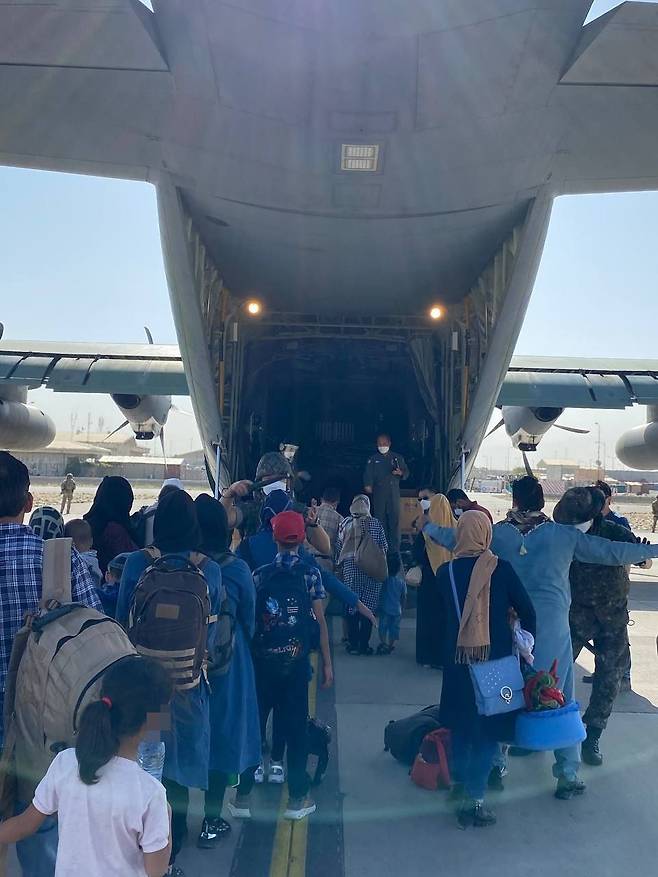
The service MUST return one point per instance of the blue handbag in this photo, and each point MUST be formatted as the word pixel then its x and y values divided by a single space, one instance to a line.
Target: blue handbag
pixel 498 684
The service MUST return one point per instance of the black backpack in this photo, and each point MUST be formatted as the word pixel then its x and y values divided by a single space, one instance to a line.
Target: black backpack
pixel 403 738
pixel 319 740
pixel 219 660
pixel 138 522
pixel 286 627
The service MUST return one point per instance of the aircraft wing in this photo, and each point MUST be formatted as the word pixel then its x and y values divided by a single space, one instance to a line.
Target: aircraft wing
pixel 143 369
pixel 564 382
pixel 86 87
pixel 607 100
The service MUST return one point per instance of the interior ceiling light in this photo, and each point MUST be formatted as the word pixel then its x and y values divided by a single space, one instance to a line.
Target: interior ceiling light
pixel 436 313
pixel 359 157
pixel 254 308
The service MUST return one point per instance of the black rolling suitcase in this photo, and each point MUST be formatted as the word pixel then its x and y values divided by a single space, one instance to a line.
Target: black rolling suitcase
pixel 403 738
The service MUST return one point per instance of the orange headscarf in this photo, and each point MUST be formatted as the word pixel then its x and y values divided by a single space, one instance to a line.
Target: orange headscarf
pixel 440 513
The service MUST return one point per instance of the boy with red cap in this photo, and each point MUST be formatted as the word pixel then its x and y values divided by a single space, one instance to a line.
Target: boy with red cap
pixel 290 623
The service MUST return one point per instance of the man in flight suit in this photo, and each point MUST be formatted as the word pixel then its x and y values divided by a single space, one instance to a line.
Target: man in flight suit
pixel 384 471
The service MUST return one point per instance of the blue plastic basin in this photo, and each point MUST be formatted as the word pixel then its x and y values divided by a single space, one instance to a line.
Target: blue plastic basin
pixel 546 730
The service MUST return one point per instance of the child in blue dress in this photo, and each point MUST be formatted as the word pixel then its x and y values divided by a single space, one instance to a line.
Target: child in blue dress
pixel 391 603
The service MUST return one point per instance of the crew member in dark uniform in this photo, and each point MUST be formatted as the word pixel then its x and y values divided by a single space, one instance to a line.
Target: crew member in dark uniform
pixel 384 471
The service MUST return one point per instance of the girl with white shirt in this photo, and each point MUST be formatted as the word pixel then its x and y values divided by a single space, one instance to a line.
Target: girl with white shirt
pixel 112 815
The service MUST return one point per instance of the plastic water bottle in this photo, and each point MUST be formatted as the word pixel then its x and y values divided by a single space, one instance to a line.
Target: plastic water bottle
pixel 151 756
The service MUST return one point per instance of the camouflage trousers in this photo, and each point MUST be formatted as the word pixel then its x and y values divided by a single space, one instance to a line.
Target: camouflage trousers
pixel 607 627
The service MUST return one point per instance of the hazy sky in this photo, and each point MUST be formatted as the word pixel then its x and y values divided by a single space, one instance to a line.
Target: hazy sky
pixel 81 261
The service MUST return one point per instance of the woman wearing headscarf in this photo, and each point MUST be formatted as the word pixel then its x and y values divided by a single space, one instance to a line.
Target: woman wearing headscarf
pixel 366 589
pixel 176 532
pixel 429 556
pixel 47 522
pixel 235 746
pixel 541 552
pixel 109 518
pixel 486 589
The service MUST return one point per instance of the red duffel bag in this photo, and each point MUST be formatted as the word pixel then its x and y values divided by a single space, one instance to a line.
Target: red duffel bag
pixel 431 769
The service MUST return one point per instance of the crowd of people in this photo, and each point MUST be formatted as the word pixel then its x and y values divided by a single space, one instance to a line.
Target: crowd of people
pixel 567 581
pixel 268 566
pixel 273 587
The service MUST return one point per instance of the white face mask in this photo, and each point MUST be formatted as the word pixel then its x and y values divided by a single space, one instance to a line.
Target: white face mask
pixel 584 528
pixel 289 455
pixel 458 513
pixel 425 504
pixel 278 485
pixel 383 449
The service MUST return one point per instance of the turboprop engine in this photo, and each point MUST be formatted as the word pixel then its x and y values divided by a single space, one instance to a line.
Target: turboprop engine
pixel 638 447
pixel 146 415
pixel 23 426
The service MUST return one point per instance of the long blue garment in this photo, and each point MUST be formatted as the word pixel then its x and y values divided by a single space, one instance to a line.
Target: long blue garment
pixel 541 559
pixel 234 726
pixel 187 744
pixel 544 571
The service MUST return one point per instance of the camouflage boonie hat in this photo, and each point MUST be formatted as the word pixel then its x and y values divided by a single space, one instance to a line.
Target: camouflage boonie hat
pixel 271 464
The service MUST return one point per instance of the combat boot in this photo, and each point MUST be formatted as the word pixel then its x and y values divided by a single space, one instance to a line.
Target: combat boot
pixel 591 753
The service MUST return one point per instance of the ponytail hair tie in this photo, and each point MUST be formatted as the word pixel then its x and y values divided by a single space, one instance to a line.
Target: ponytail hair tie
pixel 107 702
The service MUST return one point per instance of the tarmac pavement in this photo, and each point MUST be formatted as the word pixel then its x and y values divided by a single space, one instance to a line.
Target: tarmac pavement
pixel 373 822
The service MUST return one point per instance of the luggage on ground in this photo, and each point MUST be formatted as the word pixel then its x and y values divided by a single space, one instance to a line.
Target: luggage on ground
pixel 431 768
pixel 169 616
pixel 403 738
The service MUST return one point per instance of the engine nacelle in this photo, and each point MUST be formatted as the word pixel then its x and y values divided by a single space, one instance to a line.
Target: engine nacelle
pixel 638 448
pixel 24 427
pixel 526 426
pixel 145 414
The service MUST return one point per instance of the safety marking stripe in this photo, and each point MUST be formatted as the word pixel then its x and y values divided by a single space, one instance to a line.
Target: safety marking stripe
pixel 290 840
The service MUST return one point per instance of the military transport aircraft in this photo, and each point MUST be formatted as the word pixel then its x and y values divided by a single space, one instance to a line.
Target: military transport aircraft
pixel 378 174
pixel 142 378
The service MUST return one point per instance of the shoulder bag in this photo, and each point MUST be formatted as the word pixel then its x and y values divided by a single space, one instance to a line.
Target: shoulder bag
pixel 497 684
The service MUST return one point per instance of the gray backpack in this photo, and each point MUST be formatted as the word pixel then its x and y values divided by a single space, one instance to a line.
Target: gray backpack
pixel 57 664
pixel 368 556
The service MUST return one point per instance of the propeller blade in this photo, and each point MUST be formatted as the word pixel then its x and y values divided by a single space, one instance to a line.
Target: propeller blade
pixel 148 334
pixel 2 329
pixel 164 453
pixel 118 429
pixel 571 429
pixel 526 463
pixel 497 426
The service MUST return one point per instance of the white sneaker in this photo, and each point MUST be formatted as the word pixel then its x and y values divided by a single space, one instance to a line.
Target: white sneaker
pixel 259 774
pixel 276 774
pixel 299 808
pixel 239 809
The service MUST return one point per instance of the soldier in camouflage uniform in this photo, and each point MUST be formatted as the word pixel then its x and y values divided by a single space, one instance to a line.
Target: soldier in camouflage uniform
pixel 599 613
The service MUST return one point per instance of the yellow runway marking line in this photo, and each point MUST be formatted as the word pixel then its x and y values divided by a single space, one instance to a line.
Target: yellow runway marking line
pixel 290 840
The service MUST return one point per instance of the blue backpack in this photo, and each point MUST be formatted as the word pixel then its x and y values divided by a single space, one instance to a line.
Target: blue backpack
pixel 286 627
